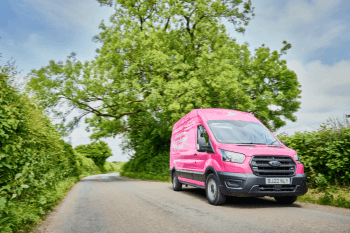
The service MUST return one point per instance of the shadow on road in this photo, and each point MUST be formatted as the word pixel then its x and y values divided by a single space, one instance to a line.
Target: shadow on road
pixel 237 202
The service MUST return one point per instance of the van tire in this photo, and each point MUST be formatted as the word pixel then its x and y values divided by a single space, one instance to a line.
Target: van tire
pixel 287 200
pixel 177 186
pixel 213 192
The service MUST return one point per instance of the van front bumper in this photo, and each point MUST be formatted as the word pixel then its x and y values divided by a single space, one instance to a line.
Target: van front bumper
pixel 250 185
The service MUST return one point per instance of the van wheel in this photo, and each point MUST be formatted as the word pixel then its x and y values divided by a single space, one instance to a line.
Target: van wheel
pixel 214 195
pixel 286 200
pixel 177 186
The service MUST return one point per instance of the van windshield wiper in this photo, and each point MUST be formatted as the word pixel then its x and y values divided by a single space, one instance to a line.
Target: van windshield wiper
pixel 273 142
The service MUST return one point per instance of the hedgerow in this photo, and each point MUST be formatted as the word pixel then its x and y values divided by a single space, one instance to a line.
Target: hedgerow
pixel 37 167
pixel 325 153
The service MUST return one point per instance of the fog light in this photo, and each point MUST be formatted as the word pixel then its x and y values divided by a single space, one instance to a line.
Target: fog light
pixel 234 183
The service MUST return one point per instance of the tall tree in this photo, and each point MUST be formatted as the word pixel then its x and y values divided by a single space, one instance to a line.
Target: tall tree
pixel 97 151
pixel 166 58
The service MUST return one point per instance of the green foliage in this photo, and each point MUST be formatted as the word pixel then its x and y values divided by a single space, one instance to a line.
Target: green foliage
pixel 325 154
pixel 97 151
pixel 327 199
pixel 146 176
pixel 33 158
pixel 37 167
pixel 117 165
pixel 27 212
pixel 86 166
pixel 158 61
pixel 30 147
pixel 167 58
pixel 149 144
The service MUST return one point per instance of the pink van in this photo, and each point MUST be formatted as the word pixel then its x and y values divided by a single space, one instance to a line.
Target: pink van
pixel 228 152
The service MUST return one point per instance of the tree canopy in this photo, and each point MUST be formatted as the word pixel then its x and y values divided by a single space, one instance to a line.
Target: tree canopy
pixel 97 151
pixel 164 58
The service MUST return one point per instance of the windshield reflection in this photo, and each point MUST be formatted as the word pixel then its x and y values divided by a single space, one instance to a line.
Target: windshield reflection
pixel 241 132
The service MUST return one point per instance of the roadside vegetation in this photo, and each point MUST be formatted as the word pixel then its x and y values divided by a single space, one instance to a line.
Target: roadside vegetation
pixel 118 165
pixel 325 154
pixel 37 167
pixel 146 176
pixel 338 196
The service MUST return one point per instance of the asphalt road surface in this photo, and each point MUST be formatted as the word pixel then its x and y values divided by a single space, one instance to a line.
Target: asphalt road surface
pixel 110 203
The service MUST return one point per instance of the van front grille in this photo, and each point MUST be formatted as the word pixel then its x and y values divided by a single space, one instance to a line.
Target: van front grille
pixel 260 165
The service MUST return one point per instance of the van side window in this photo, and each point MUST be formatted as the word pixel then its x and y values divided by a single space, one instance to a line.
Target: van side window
pixel 202 133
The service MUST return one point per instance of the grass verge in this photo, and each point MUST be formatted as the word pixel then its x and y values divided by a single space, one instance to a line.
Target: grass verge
pixel 26 212
pixel 336 196
pixel 145 176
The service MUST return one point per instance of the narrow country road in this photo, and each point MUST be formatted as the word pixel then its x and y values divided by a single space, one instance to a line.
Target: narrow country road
pixel 110 203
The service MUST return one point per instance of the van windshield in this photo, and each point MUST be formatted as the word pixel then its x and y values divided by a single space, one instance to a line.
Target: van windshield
pixel 241 132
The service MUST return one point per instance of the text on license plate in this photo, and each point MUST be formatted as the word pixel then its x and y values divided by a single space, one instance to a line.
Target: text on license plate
pixel 277 180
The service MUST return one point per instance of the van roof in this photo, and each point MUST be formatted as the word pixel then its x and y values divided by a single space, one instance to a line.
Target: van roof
pixel 226 114
pixel 217 114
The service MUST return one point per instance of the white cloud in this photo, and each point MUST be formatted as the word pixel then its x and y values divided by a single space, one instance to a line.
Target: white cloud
pixel 320 85
pixel 308 26
pixel 300 11
pixel 325 94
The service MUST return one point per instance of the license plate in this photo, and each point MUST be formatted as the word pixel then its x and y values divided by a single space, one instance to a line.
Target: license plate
pixel 277 180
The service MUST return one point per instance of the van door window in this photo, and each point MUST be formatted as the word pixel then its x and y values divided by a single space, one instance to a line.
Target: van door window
pixel 202 133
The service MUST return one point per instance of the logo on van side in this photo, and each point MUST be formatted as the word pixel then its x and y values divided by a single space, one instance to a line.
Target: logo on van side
pixel 175 143
pixel 231 114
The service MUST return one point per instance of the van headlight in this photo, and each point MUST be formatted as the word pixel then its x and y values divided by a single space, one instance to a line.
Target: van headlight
pixel 296 157
pixel 233 157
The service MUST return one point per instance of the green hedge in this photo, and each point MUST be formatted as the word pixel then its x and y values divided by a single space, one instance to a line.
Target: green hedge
pixel 325 154
pixel 33 157
pixel 37 168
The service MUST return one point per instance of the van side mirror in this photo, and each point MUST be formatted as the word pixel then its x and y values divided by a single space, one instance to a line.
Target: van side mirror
pixel 202 146
pixel 284 143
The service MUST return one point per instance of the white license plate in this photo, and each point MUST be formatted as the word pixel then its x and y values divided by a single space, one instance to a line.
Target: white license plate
pixel 277 180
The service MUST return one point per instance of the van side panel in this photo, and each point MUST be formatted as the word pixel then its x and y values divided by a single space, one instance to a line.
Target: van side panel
pixel 182 143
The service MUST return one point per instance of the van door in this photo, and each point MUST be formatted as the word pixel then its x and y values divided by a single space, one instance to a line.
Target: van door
pixel 200 158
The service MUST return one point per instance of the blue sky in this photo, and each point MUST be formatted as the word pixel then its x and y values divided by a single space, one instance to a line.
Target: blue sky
pixel 36 31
